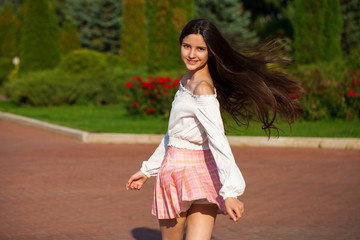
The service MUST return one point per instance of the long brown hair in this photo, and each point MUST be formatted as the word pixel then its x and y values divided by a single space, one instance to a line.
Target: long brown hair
pixel 245 85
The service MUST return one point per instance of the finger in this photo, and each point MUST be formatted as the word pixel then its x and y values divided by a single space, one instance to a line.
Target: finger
pixel 238 213
pixel 231 214
pixel 131 179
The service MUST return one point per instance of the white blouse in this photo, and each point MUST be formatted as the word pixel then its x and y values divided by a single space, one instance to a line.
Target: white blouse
pixel 195 123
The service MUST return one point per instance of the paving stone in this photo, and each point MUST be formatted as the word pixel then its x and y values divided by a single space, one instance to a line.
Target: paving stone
pixel 53 187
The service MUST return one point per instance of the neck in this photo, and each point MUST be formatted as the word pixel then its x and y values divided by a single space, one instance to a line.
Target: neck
pixel 199 73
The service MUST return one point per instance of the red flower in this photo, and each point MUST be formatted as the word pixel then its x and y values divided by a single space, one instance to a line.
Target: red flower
pixel 151 79
pixel 149 110
pixel 139 78
pixel 170 87
pixel 129 85
pixel 157 95
pixel 145 84
pixel 351 93
pixel 294 96
pixel 135 104
pixel 168 79
pixel 354 73
pixel 152 100
pixel 161 80
pixel 176 82
pixel 353 82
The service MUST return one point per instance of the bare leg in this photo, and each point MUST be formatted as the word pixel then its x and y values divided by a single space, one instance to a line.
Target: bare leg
pixel 173 229
pixel 200 221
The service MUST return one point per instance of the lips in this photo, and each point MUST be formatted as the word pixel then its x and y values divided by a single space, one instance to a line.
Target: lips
pixel 191 62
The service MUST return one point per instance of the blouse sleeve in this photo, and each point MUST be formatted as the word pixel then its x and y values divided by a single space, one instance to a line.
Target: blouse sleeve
pixel 152 165
pixel 208 114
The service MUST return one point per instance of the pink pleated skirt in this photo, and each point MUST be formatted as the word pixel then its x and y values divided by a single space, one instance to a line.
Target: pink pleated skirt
pixel 186 177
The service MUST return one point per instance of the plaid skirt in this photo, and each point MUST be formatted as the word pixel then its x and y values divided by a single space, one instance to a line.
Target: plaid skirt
pixel 186 177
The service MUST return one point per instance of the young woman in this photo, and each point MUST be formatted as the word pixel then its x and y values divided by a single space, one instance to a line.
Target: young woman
pixel 197 176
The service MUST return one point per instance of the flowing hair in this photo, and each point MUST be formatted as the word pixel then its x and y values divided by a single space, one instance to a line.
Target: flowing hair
pixel 244 83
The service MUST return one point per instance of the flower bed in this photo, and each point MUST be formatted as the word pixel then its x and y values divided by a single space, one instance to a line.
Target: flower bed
pixel 153 96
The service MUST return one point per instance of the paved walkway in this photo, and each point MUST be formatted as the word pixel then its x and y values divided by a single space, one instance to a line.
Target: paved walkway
pixel 52 187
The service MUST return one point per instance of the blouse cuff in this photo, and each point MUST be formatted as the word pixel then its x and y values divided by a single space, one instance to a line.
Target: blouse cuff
pixel 144 172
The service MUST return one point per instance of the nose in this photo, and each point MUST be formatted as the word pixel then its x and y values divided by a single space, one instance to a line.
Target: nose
pixel 192 53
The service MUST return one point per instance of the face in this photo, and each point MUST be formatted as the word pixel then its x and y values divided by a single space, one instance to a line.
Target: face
pixel 194 52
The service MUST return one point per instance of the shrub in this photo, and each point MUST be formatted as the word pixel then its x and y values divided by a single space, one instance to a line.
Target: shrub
pixel 133 38
pixel 150 97
pixel 84 61
pixel 40 37
pixel 6 66
pixel 69 38
pixel 354 58
pixel 7 31
pixel 326 92
pixel 48 88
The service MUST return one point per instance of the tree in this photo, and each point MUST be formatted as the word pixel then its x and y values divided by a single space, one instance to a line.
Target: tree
pixel 351 26
pixel 98 22
pixel 333 30
pixel 69 38
pixel 165 19
pixel 309 27
pixel 40 37
pixel 317 31
pixel 133 37
pixel 229 16
pixel 271 17
pixel 7 32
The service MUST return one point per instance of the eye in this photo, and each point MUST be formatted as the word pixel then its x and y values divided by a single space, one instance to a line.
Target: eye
pixel 201 49
pixel 186 46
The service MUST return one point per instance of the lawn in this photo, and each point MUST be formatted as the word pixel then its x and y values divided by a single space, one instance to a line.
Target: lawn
pixel 114 119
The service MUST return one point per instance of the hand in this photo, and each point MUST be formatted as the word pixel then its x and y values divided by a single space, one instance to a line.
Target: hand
pixel 234 207
pixel 136 181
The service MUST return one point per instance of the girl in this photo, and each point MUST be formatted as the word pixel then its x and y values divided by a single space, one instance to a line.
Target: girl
pixel 197 176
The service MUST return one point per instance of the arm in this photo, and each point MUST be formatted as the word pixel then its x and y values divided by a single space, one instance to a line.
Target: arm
pixel 152 165
pixel 208 114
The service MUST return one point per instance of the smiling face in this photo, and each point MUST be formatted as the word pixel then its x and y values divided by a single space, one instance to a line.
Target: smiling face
pixel 194 52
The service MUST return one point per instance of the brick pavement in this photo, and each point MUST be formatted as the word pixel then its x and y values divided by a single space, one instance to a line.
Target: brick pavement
pixel 52 187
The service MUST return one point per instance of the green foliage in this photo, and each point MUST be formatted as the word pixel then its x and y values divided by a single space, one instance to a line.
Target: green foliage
pixel 271 17
pixel 99 23
pixel 317 31
pixel 84 61
pixel 229 16
pixel 49 88
pixel 40 37
pixel 150 97
pixel 309 27
pixel 133 38
pixel 327 91
pixel 6 66
pixel 163 46
pixel 333 29
pixel 7 31
pixel 69 38
pixel 351 28
pixel 354 58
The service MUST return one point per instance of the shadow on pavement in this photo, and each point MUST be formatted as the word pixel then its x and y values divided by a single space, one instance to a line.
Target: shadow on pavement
pixel 144 233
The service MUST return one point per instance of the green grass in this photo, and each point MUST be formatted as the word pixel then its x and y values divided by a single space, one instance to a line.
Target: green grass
pixel 114 119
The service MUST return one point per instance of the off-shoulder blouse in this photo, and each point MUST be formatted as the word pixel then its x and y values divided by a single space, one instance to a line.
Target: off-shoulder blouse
pixel 195 123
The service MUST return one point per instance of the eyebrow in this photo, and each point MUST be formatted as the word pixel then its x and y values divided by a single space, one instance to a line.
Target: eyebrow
pixel 195 46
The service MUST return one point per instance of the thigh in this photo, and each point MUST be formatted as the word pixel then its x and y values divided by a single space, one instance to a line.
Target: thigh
pixel 173 229
pixel 200 221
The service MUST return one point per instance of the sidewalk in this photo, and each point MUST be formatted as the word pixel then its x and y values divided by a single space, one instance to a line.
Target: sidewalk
pixel 54 187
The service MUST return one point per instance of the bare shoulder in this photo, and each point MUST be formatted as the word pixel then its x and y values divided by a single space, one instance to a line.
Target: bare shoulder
pixel 204 88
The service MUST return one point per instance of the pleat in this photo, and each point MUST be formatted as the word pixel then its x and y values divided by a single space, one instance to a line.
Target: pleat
pixel 185 176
